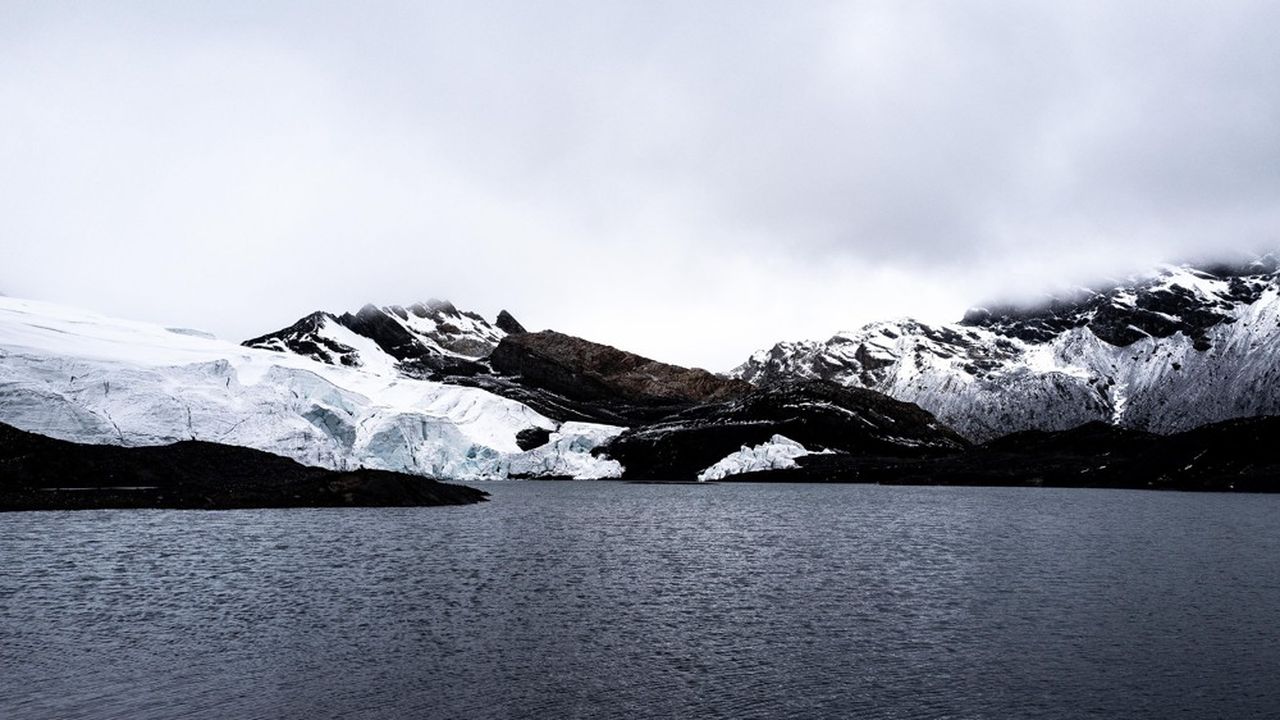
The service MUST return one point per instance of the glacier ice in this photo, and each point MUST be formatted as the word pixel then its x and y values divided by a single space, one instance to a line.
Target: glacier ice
pixel 568 454
pixel 779 453
pixel 81 376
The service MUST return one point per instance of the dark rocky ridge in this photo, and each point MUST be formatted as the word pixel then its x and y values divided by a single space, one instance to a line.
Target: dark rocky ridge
pixel 36 473
pixel 568 378
pixel 586 370
pixel 1236 455
pixel 379 325
pixel 818 414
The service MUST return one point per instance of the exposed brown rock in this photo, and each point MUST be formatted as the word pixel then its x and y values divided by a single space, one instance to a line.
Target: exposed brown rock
pixel 585 370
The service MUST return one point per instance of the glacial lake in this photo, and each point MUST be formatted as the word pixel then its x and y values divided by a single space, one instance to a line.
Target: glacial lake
pixel 607 600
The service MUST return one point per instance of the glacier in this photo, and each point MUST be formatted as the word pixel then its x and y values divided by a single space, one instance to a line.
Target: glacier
pixel 568 454
pixel 80 376
pixel 778 453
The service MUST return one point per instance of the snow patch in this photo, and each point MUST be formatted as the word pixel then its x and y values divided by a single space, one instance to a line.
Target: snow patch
pixel 779 453
pixel 373 359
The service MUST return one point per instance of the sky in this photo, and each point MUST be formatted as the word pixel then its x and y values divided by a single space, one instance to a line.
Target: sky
pixel 688 180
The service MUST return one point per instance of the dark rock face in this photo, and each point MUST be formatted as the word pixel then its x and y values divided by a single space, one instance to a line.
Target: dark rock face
pixel 508 324
pixel 381 327
pixel 533 437
pixel 1237 455
pixel 585 370
pixel 818 414
pixel 41 473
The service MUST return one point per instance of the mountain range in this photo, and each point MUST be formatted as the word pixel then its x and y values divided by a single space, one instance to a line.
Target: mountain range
pixel 432 390
pixel 1166 352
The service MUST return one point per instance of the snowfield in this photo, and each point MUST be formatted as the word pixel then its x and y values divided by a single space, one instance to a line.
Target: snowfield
pixel 80 376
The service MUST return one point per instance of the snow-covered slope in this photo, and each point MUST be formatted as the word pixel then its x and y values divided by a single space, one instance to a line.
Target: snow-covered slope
pixel 80 376
pixel 418 339
pixel 1168 352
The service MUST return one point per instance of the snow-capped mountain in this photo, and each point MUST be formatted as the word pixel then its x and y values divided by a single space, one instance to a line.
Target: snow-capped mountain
pixel 1180 348
pixel 80 376
pixel 563 377
pixel 419 340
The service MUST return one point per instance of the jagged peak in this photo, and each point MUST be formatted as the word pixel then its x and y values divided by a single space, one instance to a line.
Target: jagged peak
pixel 507 323
pixel 367 310
pixel 422 338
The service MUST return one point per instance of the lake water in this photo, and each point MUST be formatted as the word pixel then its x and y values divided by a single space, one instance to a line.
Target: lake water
pixel 605 600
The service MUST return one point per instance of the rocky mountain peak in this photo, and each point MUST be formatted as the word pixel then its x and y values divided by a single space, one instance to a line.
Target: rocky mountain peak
pixel 421 337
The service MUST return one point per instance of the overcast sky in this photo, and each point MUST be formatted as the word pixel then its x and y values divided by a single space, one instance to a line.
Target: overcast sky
pixel 689 180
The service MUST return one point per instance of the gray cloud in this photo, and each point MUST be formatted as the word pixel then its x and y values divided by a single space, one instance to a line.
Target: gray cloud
pixel 689 180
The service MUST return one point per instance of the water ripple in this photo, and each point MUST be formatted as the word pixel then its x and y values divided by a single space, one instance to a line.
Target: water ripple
pixel 600 600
